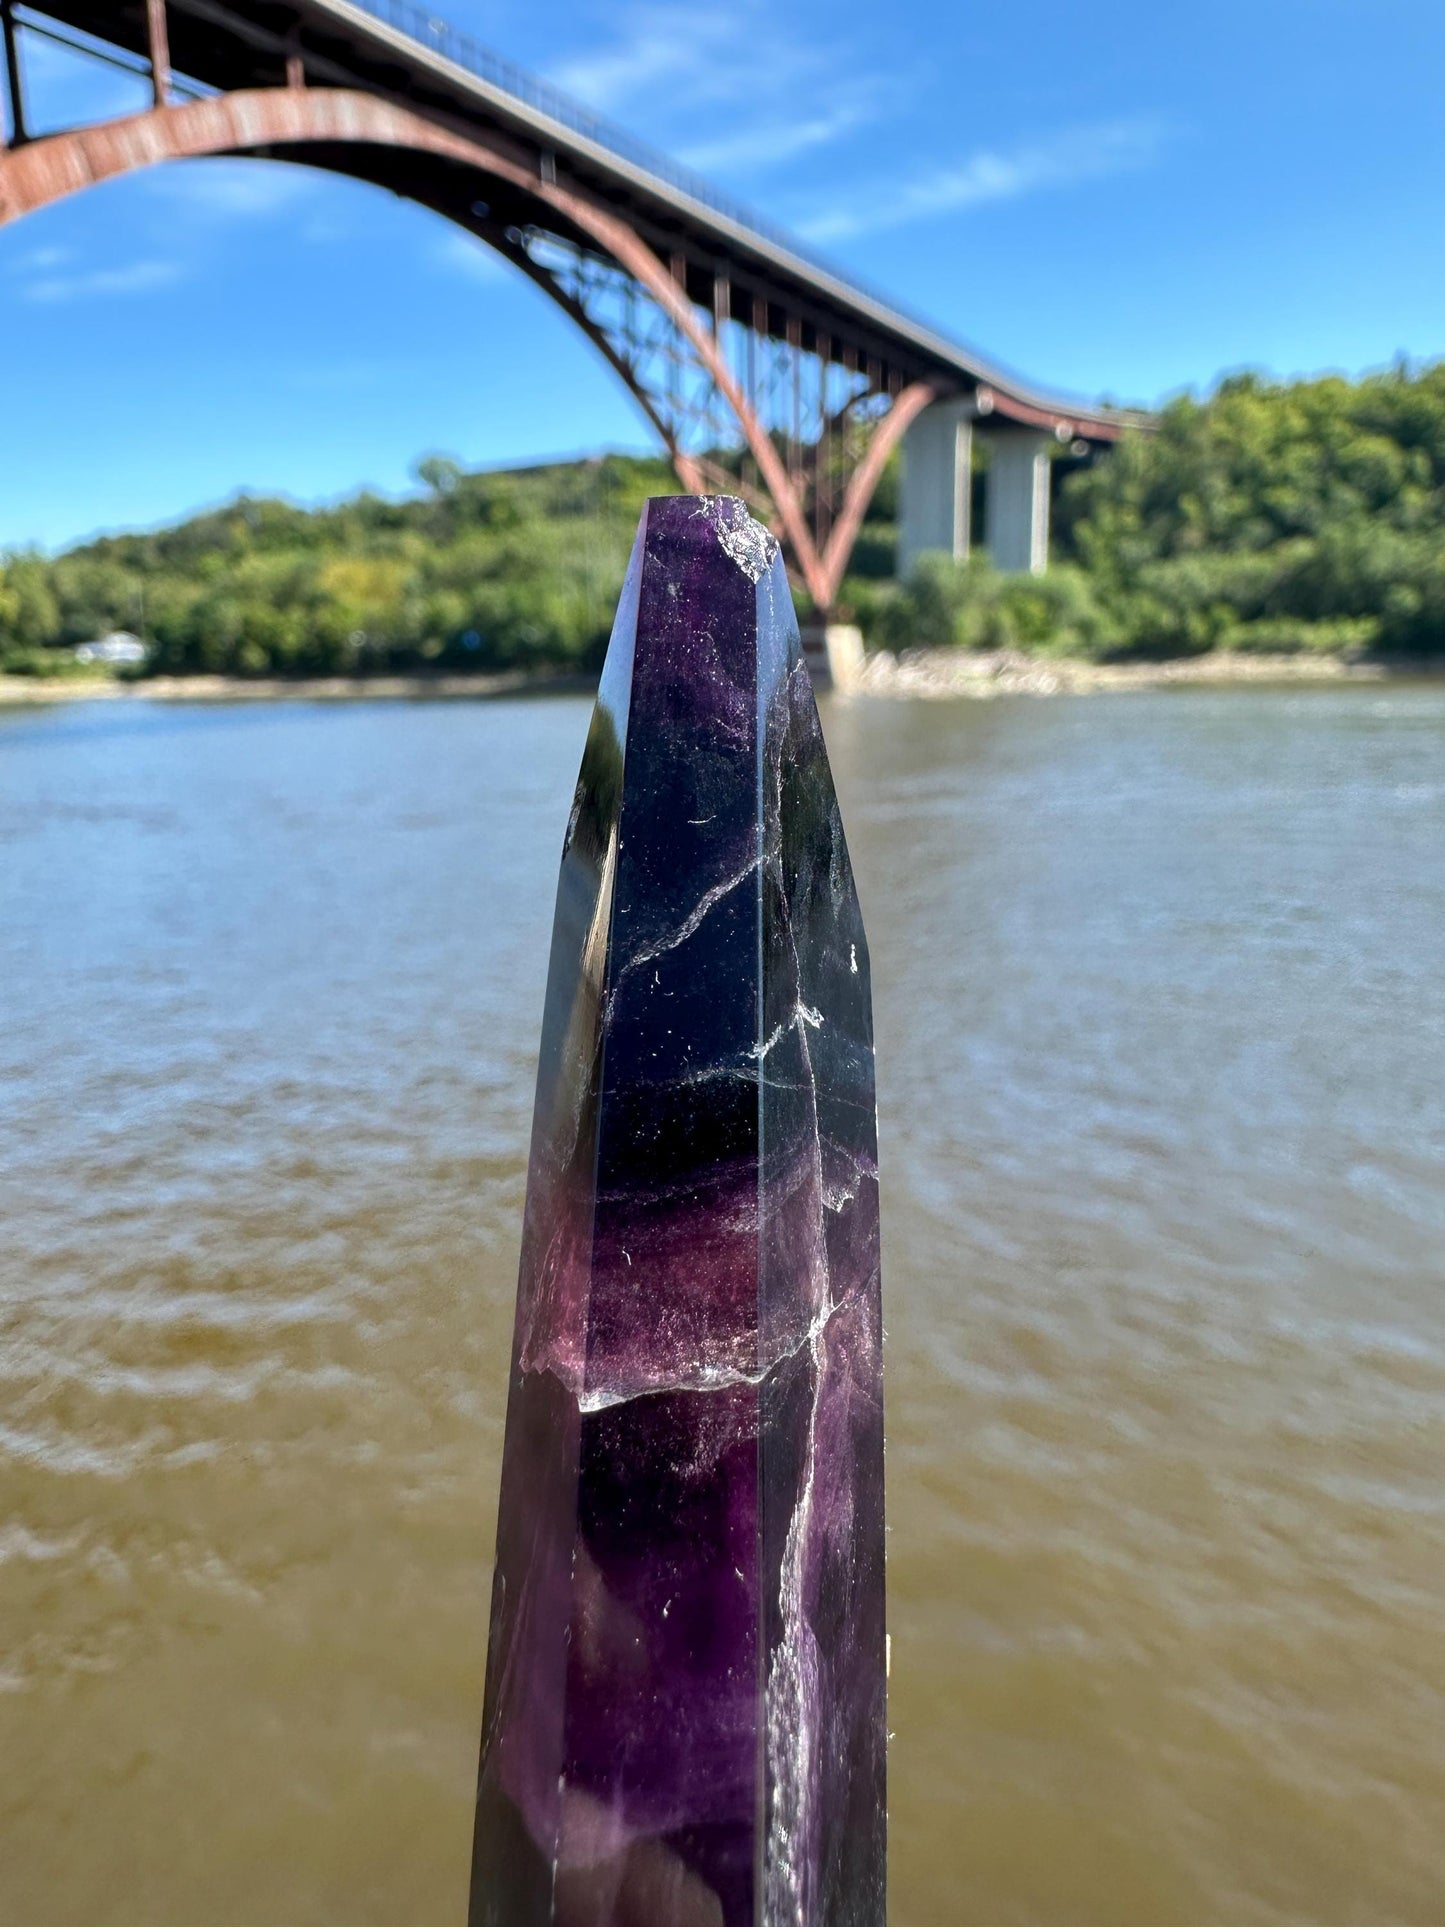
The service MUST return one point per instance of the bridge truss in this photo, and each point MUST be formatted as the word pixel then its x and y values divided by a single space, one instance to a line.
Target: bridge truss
pixel 761 372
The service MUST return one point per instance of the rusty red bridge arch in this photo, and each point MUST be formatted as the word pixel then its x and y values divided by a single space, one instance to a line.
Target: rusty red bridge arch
pixel 763 370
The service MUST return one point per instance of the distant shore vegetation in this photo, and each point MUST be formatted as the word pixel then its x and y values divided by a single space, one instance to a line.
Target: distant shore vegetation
pixel 1269 517
pixel 490 571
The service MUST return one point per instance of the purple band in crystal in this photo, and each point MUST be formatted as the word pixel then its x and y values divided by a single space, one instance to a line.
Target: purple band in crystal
pixel 685 1718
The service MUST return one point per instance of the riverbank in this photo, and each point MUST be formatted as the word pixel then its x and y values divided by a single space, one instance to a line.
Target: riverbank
pixel 942 673
pixel 310 689
pixel 929 674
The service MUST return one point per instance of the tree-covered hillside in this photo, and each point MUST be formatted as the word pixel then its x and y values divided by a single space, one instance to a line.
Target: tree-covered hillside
pixel 481 571
pixel 1272 516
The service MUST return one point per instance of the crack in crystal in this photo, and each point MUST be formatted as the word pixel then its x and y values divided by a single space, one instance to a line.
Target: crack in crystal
pixel 715 1378
pixel 835 1197
pixel 802 1014
pixel 707 902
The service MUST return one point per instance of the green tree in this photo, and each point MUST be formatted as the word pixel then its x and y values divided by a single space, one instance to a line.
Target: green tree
pixel 1269 516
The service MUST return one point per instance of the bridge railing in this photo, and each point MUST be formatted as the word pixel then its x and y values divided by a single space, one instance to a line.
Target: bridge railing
pixel 429 30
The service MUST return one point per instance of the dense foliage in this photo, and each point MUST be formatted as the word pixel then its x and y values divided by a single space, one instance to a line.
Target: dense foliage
pixel 1307 515
pixel 483 571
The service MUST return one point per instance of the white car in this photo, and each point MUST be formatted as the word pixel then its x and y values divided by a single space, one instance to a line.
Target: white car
pixel 117 647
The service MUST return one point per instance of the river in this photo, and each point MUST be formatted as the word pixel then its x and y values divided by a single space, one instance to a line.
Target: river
pixel 1161 1051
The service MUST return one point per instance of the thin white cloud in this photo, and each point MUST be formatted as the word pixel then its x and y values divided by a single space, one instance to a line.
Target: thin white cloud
pixel 324 231
pixel 673 68
pixel 1069 159
pixel 461 254
pixel 233 189
pixel 765 144
pixel 655 47
pixel 45 260
pixel 353 374
pixel 137 277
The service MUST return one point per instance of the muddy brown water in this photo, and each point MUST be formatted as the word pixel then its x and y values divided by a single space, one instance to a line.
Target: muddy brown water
pixel 1162 1089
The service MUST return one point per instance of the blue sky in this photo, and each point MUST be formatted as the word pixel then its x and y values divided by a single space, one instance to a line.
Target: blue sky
pixel 1115 198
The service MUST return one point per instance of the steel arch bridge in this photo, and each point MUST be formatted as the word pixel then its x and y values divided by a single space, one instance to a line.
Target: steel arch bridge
pixel 761 369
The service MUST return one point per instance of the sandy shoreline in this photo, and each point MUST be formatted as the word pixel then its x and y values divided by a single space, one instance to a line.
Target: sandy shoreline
pixel 919 673
pixel 313 689
pixel 939 673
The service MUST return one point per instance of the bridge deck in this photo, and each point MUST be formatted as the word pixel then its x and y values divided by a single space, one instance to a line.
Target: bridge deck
pixel 396 49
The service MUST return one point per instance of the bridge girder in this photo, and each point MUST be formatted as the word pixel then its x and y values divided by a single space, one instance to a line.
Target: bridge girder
pixel 746 389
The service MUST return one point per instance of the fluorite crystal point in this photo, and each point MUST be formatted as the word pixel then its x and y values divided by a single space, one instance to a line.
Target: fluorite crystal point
pixel 685 1719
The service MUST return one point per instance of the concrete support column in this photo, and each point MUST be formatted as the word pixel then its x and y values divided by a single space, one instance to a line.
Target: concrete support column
pixel 1016 500
pixel 834 654
pixel 13 88
pixel 935 494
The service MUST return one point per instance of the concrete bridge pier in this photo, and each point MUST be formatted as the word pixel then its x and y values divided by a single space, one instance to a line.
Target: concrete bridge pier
pixel 936 491
pixel 1016 500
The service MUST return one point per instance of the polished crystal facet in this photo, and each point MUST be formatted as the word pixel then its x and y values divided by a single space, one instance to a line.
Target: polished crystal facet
pixel 684 1721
